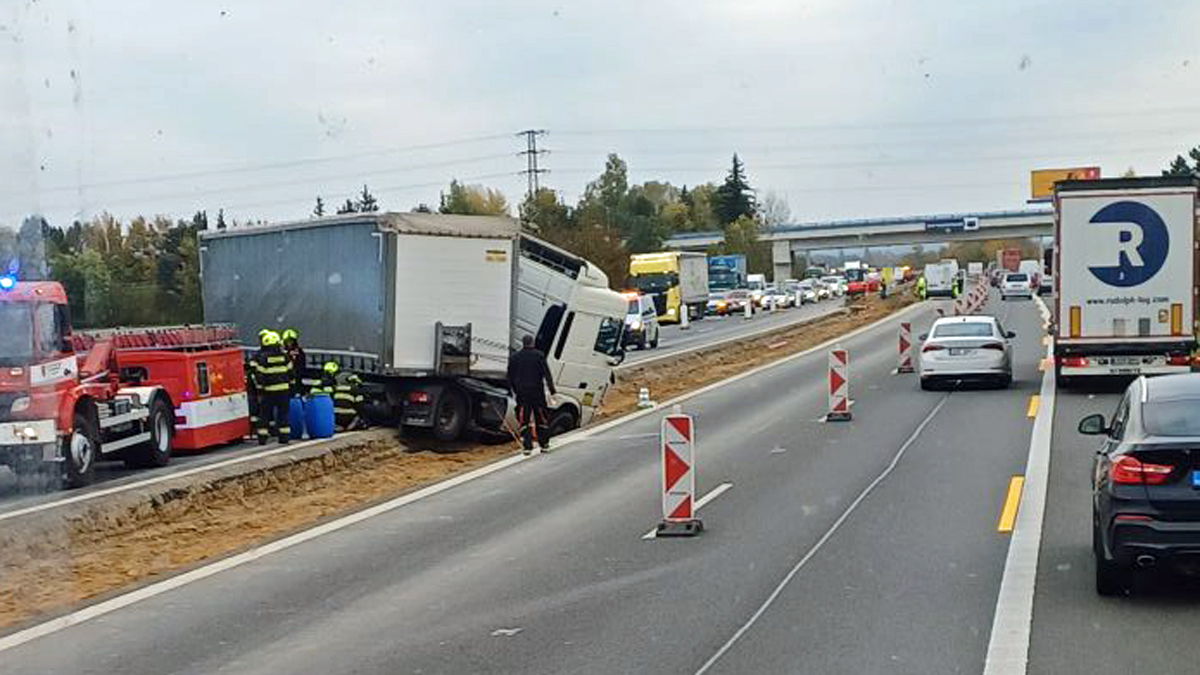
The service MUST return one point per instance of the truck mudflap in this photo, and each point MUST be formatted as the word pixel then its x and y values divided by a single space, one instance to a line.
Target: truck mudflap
pixel 1098 365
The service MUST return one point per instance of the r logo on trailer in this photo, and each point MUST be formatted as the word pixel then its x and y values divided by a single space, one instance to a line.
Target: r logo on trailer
pixel 1141 239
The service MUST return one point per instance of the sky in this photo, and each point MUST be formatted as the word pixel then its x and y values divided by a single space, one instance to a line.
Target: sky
pixel 845 108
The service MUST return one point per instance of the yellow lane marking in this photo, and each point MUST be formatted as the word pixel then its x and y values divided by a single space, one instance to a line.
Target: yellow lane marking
pixel 1034 401
pixel 1008 515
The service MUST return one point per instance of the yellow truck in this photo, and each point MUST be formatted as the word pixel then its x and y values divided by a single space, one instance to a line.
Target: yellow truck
pixel 674 279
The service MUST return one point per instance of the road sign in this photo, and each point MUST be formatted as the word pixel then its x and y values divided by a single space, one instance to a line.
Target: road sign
pixel 678 441
pixel 839 386
pixel 906 359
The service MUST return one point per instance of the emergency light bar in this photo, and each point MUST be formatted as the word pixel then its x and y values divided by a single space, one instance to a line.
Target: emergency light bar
pixel 7 282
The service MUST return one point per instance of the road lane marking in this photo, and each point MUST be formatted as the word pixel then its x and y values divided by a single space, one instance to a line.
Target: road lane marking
pixel 124 600
pixel 821 542
pixel 1008 646
pixel 713 494
pixel 1008 515
pixel 1034 401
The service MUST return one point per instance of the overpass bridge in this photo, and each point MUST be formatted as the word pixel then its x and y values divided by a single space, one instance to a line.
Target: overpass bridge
pixel 787 240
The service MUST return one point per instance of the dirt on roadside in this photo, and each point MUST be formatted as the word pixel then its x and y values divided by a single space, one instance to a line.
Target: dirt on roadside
pixel 84 558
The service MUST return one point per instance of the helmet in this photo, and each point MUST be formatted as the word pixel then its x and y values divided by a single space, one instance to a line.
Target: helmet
pixel 290 334
pixel 269 339
pixel 355 379
pixel 330 367
pixel 262 332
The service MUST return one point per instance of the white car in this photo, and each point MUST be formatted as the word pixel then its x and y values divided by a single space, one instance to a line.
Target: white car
pixel 806 292
pixel 1016 285
pixel 966 349
pixel 837 285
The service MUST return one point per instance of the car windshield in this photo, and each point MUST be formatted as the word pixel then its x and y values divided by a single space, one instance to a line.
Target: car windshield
pixel 736 295
pixel 16 334
pixel 964 329
pixel 829 280
pixel 1172 418
pixel 634 307
pixel 855 275
pixel 1016 277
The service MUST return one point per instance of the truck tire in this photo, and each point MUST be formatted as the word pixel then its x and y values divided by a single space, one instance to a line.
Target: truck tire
pixel 155 452
pixel 562 421
pixel 450 415
pixel 80 452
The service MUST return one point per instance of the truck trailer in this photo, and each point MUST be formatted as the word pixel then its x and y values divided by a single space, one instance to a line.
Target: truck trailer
pixel 1125 272
pixel 426 308
pixel 676 280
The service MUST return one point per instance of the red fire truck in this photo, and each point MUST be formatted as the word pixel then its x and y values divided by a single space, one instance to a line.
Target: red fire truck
pixel 69 399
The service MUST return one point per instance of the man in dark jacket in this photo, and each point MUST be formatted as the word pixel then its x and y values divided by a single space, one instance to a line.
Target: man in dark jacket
pixel 527 373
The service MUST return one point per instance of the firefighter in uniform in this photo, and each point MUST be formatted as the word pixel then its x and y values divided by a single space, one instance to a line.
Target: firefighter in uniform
pixel 275 382
pixel 347 396
pixel 252 387
pixel 291 346
pixel 528 377
pixel 921 287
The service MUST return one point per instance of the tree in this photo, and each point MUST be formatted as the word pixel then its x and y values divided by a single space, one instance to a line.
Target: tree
pixel 1180 167
pixel 422 208
pixel 543 211
pixel 473 200
pixel 348 207
pixel 610 188
pixel 199 221
pixel 319 209
pixel 735 198
pixel 366 201
pixel 220 219
pixel 1129 173
pixel 741 236
pixel 774 210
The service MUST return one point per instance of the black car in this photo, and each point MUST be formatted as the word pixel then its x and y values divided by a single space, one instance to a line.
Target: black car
pixel 1146 481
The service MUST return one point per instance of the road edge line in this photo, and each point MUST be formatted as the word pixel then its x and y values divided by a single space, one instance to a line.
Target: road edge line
pixel 171 583
pixel 1012 622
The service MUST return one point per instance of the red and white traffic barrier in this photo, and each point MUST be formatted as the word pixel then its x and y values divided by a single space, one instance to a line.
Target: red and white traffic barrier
pixel 839 386
pixel 678 441
pixel 905 364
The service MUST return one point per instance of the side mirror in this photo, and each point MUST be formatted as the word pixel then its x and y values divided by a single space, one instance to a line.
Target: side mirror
pixel 1010 335
pixel 617 359
pixel 1093 425
pixel 923 337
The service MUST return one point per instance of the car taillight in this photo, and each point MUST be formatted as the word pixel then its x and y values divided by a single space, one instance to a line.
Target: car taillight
pixel 932 348
pixel 1130 470
pixel 1074 361
pixel 418 397
pixel 1179 360
pixel 1135 517
pixel 993 345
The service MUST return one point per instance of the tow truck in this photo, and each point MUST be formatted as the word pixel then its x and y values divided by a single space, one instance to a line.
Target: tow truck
pixel 69 399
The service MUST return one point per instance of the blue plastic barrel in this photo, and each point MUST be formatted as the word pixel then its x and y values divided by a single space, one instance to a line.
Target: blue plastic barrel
pixel 296 417
pixel 318 417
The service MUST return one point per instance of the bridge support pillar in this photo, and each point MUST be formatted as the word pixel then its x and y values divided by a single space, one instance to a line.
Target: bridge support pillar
pixel 781 260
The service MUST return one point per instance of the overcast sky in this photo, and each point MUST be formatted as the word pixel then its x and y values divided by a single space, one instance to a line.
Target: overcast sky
pixel 848 108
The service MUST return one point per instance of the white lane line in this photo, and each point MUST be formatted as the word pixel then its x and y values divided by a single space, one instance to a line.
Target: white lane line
pixel 1008 646
pixel 91 612
pixel 821 542
pixel 164 477
pixel 713 494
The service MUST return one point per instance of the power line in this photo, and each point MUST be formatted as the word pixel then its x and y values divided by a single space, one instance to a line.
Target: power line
pixel 531 153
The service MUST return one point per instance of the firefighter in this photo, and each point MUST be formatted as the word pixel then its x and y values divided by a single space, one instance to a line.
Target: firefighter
pixel 291 346
pixel 275 382
pixel 527 373
pixel 347 396
pixel 921 287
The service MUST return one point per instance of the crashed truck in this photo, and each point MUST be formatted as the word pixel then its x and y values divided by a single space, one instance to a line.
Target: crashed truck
pixel 426 308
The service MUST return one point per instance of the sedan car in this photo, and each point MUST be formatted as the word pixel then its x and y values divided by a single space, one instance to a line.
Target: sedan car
pixel 717 305
pixel 782 298
pixel 806 292
pixel 836 284
pixel 966 349
pixel 737 300
pixel 1146 481
pixel 1016 285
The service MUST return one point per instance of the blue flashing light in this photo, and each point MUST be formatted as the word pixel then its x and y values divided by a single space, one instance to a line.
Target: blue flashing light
pixel 7 283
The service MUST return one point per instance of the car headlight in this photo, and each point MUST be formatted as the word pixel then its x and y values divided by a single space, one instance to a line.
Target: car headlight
pixel 671 311
pixel 20 404
pixel 636 325
pixel 29 433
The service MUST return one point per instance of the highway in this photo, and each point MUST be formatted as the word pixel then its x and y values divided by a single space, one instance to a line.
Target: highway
pixel 109 474
pixel 861 547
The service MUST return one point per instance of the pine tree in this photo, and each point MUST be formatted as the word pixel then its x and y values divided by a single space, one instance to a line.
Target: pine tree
pixel 367 202
pixel 319 209
pixel 735 197
pixel 221 219
pixel 348 207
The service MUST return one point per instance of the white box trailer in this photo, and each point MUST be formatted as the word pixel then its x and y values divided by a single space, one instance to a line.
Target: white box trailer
pixel 939 280
pixel 1126 276
pixel 427 307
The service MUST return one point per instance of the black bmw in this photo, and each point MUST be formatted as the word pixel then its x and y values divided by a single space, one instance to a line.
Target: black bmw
pixel 1146 481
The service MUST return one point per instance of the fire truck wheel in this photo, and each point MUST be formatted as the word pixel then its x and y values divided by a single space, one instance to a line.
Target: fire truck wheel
pixel 450 416
pixel 79 452
pixel 156 451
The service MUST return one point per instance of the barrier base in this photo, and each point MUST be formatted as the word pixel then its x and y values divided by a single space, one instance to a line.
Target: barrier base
pixel 908 369
pixel 837 417
pixel 679 528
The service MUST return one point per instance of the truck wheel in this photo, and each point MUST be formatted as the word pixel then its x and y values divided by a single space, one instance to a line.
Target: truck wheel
pixel 450 417
pixel 155 452
pixel 80 451
pixel 561 421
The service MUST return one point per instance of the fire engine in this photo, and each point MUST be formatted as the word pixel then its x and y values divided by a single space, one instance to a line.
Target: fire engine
pixel 69 399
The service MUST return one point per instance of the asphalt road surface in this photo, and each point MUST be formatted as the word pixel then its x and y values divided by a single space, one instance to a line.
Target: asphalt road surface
pixel 714 328
pixel 861 547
